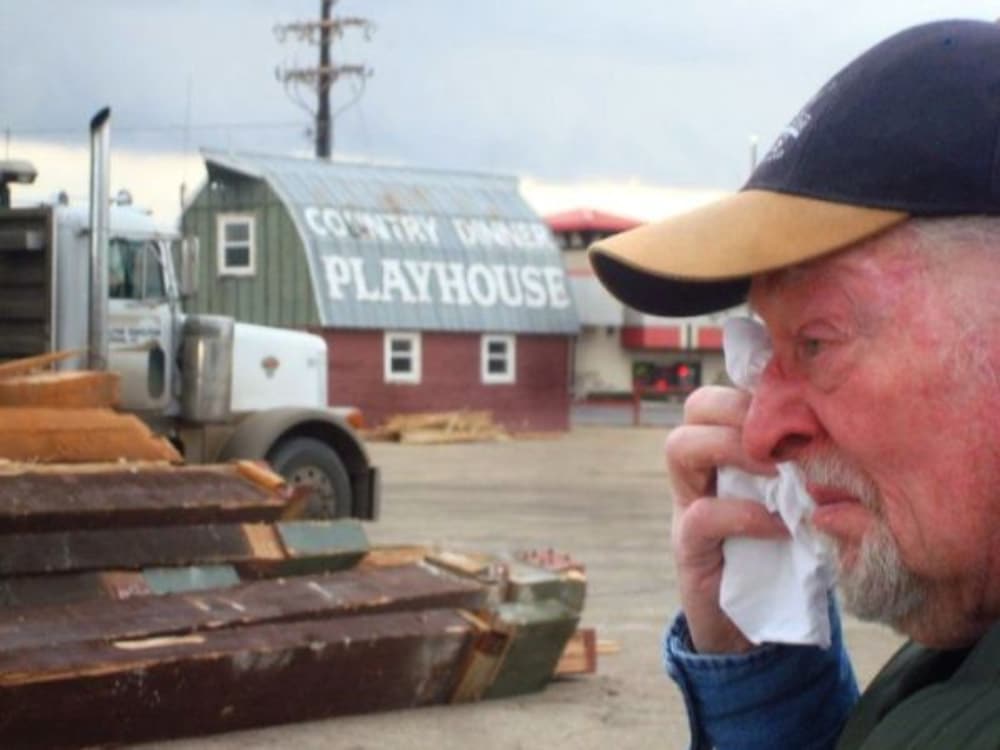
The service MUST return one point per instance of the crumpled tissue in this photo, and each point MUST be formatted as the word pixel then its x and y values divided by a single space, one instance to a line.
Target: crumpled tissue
pixel 774 590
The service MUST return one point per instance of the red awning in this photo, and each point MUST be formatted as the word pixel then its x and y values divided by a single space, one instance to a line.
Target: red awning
pixel 588 220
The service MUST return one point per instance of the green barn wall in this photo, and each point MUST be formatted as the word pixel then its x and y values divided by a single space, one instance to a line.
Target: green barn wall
pixel 280 293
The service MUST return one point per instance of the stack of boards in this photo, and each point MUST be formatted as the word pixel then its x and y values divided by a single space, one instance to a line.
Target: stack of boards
pixel 148 601
pixel 427 428
pixel 68 416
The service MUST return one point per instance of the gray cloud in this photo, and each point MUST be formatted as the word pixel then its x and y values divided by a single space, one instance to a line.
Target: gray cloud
pixel 665 91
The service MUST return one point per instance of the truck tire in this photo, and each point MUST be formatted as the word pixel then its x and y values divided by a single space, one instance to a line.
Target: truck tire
pixel 307 461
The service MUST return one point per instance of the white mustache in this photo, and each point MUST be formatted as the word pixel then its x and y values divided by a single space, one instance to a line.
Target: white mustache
pixel 832 471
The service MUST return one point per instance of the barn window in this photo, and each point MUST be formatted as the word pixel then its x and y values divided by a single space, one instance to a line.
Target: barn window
pixel 402 357
pixel 497 358
pixel 235 241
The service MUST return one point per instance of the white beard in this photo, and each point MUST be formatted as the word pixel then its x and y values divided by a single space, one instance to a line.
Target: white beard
pixel 877 586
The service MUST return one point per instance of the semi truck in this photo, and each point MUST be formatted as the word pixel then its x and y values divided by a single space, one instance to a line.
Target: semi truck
pixel 110 281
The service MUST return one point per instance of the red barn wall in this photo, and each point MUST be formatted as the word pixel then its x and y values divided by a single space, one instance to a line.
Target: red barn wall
pixel 538 399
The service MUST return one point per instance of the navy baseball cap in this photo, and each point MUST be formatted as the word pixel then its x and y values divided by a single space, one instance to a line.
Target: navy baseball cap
pixel 910 128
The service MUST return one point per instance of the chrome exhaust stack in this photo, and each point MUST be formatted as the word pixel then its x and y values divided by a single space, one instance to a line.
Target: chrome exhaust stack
pixel 100 220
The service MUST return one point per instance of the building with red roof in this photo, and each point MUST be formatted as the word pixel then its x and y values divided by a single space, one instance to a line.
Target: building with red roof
pixel 621 351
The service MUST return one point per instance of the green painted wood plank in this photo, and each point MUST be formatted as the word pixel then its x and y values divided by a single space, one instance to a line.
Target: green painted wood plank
pixel 168 580
pixel 539 633
pixel 303 538
pixel 529 583
pixel 314 546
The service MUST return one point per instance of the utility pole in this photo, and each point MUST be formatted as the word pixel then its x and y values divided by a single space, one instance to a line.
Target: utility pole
pixel 322 78
pixel 324 127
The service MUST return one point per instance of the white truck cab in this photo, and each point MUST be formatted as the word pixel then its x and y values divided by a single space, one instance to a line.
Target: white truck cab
pixel 219 389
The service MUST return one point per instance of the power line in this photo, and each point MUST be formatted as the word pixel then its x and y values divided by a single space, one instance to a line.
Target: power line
pixel 161 128
pixel 322 77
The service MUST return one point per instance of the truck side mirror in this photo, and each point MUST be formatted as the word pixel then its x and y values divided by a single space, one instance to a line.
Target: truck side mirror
pixel 188 281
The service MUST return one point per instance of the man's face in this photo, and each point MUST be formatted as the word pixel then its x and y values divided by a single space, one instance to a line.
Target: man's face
pixel 896 445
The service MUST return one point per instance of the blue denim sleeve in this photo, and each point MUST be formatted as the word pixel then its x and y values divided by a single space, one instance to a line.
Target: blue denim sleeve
pixel 775 696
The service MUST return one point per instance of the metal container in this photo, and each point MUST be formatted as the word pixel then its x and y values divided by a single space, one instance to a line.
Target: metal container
pixel 207 364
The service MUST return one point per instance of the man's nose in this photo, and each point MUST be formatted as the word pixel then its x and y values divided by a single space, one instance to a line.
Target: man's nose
pixel 779 424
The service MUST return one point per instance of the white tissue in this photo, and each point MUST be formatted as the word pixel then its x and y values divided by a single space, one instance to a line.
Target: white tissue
pixel 775 591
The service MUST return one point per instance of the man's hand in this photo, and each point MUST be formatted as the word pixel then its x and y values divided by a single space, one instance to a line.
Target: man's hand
pixel 709 438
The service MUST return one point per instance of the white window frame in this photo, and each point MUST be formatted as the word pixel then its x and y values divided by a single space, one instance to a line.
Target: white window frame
pixel 497 378
pixel 221 222
pixel 414 339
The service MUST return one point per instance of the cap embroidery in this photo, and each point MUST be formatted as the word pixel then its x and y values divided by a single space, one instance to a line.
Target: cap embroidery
pixel 797 126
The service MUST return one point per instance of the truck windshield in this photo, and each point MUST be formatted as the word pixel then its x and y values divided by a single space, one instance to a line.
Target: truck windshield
pixel 134 270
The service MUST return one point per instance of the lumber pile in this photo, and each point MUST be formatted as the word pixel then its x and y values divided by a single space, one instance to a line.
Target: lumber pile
pixel 79 389
pixel 26 365
pixel 68 416
pixel 142 602
pixel 141 599
pixel 53 435
pixel 439 427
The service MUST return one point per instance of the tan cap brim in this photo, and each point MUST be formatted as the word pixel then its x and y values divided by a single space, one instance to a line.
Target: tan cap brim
pixel 727 241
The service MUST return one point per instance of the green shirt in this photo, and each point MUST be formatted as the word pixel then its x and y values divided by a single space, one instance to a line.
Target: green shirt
pixel 926 699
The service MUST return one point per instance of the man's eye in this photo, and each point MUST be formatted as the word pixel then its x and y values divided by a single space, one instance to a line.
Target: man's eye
pixel 810 348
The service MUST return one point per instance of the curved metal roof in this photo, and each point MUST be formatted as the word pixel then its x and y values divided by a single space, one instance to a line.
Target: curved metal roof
pixel 406 248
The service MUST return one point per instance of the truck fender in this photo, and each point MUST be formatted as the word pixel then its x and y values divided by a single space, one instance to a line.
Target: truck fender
pixel 257 434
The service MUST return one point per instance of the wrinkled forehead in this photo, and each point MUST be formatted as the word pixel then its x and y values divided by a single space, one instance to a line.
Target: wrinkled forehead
pixel 864 276
pixel 772 294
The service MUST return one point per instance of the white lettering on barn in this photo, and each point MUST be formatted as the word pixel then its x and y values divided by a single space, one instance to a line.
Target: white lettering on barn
pixel 423 282
pixel 422 230
pixel 517 235
pixel 344 224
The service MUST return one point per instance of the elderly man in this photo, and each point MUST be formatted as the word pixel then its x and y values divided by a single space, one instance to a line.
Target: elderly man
pixel 868 244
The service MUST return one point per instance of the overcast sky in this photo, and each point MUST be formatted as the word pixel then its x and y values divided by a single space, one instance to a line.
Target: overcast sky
pixel 664 91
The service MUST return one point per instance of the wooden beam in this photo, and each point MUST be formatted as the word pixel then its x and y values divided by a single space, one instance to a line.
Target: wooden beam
pixel 69 389
pixel 33 591
pixel 136 548
pixel 256 549
pixel 482 661
pixel 78 435
pixel 260 473
pixel 141 690
pixel 539 634
pixel 392 556
pixel 580 654
pixel 344 594
pixel 476 565
pixel 112 496
pixel 25 365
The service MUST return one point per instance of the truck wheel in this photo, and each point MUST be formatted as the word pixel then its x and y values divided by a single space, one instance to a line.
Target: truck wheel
pixel 307 461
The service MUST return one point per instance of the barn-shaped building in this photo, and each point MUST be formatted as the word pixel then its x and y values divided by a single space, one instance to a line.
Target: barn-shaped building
pixel 434 290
